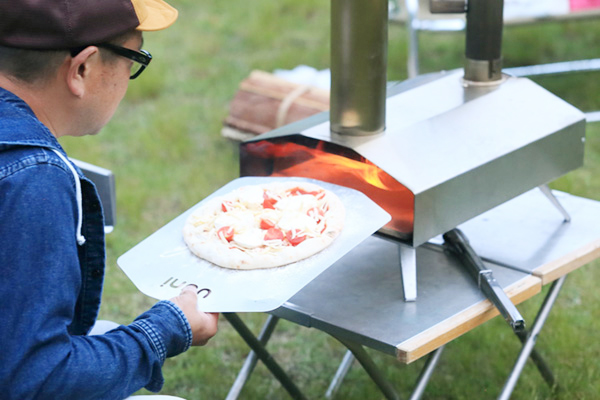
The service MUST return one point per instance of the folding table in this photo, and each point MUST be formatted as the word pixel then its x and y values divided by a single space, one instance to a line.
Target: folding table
pixel 358 300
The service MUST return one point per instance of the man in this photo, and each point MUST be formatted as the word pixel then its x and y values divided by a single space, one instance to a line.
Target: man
pixel 64 67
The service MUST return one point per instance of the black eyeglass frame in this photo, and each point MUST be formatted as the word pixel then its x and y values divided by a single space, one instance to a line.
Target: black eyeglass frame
pixel 141 57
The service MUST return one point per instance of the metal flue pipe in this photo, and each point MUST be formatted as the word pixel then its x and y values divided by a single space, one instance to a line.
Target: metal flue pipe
pixel 484 40
pixel 358 66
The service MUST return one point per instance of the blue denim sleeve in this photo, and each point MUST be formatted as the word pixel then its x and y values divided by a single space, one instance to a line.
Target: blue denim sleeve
pixel 41 279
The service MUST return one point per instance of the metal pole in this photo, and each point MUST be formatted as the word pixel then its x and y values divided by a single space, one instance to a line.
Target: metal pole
pixel 340 374
pixel 412 64
pixel 539 362
pixel 252 359
pixel 367 363
pixel 532 338
pixel 263 355
pixel 426 373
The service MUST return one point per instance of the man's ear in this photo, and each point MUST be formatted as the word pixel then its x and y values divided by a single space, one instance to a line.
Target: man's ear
pixel 79 69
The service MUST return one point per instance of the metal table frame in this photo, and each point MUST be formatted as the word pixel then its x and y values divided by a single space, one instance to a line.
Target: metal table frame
pixel 356 351
pixel 547 265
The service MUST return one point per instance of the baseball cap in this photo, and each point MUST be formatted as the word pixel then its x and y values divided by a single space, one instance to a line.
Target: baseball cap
pixel 64 24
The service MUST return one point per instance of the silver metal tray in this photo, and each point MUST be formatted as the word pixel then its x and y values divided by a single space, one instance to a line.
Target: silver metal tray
pixel 161 264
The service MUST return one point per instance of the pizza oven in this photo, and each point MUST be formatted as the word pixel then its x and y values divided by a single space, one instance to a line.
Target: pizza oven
pixel 433 151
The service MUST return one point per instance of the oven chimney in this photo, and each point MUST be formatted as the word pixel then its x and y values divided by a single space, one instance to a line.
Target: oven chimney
pixel 358 66
pixel 484 40
pixel 483 47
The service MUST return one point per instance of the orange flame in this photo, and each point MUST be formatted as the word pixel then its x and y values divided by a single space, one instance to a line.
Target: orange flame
pixel 291 159
pixel 363 170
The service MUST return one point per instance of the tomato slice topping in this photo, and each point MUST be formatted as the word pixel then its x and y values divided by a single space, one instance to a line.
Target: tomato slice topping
pixel 316 213
pixel 225 206
pixel 294 238
pixel 268 201
pixel 273 234
pixel 226 233
pixel 324 228
pixel 298 191
pixel 266 224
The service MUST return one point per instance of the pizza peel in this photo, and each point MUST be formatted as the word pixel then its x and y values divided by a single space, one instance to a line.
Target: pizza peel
pixel 161 265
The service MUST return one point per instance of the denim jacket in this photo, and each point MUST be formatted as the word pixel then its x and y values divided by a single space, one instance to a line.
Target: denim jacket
pixel 51 285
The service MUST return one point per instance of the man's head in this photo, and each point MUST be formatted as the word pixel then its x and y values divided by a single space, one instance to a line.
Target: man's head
pixel 66 24
pixel 80 50
pixel 33 66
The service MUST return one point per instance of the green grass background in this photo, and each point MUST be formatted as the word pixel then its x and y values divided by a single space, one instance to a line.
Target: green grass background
pixel 165 148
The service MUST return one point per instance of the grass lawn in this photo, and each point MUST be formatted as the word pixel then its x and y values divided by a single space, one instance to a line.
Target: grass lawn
pixel 165 148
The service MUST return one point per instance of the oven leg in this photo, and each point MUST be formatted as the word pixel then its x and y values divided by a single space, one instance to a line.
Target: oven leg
pixel 340 374
pixel 532 338
pixel 252 359
pixel 263 355
pixel 408 269
pixel 546 190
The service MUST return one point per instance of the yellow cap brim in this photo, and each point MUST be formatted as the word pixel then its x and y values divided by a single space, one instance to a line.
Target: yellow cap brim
pixel 154 15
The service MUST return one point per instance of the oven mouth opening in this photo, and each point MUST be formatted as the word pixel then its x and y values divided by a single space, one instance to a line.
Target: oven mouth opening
pixel 301 156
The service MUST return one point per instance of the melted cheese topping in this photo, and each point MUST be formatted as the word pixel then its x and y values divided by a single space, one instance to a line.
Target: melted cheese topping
pixel 293 214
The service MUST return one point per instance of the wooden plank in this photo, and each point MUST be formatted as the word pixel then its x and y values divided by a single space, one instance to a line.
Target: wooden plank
pixel 556 268
pixel 453 327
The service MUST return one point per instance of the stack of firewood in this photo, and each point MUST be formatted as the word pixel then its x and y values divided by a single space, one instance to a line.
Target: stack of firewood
pixel 265 102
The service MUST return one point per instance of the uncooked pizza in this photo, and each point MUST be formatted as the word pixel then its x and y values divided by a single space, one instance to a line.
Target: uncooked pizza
pixel 265 226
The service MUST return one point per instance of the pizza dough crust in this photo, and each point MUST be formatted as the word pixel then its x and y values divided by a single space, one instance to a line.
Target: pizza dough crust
pixel 243 209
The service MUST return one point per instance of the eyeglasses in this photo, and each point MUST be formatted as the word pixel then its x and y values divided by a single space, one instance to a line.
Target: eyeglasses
pixel 140 58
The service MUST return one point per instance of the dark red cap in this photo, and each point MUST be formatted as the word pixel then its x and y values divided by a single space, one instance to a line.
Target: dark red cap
pixel 64 24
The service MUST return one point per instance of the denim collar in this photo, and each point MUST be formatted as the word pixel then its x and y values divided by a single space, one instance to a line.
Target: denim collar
pixel 13 115
pixel 20 127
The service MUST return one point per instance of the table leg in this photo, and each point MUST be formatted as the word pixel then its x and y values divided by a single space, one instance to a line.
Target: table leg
pixel 539 362
pixel 367 363
pixel 417 393
pixel 426 374
pixel 263 355
pixel 341 372
pixel 531 338
pixel 252 359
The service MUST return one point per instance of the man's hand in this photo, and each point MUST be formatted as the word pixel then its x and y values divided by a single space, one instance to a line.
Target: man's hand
pixel 204 325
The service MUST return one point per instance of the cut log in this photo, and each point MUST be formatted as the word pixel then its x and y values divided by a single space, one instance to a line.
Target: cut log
pixel 264 102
